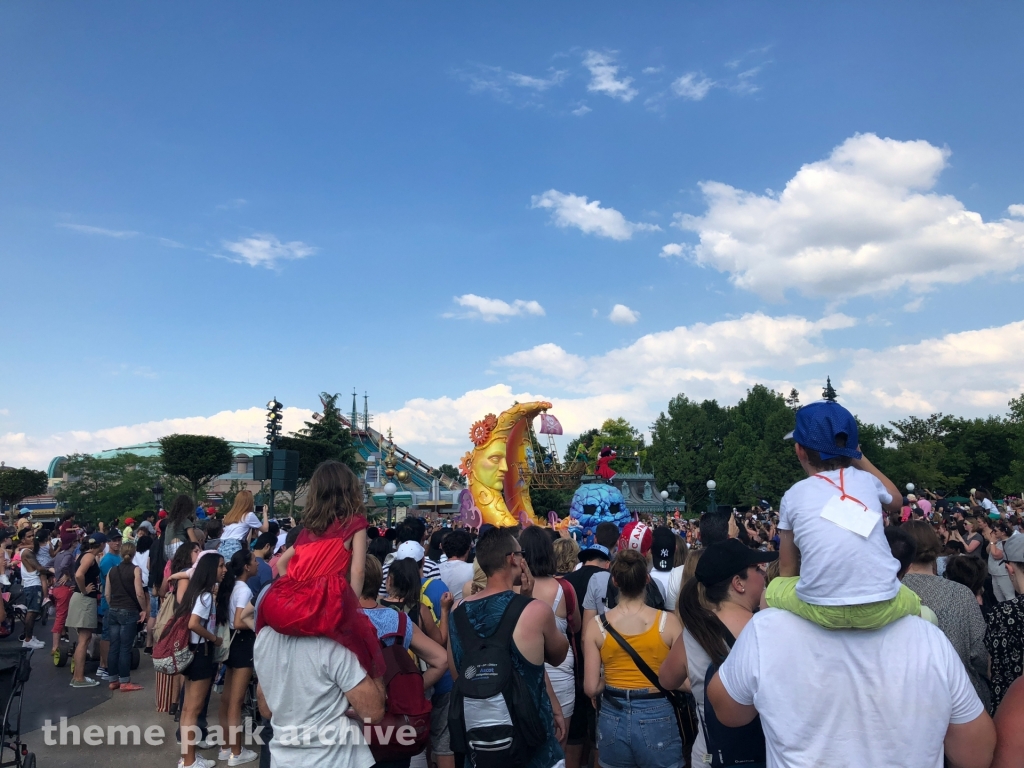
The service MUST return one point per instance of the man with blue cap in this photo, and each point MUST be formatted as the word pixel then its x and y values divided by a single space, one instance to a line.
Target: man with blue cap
pixel 836 568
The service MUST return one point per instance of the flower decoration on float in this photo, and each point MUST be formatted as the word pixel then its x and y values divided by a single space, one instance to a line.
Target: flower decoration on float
pixel 466 464
pixel 481 430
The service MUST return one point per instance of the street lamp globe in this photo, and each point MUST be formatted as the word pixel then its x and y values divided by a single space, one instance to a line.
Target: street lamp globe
pixel 664 495
pixel 390 489
pixel 712 485
pixel 910 487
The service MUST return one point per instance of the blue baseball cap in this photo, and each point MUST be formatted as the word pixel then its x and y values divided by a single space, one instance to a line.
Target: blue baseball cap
pixel 818 425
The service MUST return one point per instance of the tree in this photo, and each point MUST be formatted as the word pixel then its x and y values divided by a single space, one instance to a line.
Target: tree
pixel 312 453
pixel 793 399
pixel 580 447
pixel 17 484
pixel 449 471
pixel 109 488
pixel 327 427
pixel 196 459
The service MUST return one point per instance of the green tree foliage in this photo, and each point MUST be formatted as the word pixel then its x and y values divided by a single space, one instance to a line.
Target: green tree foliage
pixel 449 471
pixel 625 439
pixel 323 438
pixel 196 459
pixel 580 446
pixel 110 488
pixel 17 484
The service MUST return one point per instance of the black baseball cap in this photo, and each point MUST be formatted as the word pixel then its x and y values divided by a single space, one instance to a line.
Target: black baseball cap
pixel 724 559
pixel 594 552
pixel 663 548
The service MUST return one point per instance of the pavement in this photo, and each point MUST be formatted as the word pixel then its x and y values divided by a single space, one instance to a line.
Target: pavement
pixel 49 696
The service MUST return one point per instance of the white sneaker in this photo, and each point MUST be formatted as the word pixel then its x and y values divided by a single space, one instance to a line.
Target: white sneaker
pixel 34 643
pixel 5 579
pixel 245 756
pixel 224 754
pixel 201 762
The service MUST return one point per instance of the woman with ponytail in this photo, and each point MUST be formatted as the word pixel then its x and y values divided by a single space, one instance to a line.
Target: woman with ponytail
pixel 238 667
pixel 714 607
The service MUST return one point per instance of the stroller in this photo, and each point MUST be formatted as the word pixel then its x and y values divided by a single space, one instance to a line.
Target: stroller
pixel 15 667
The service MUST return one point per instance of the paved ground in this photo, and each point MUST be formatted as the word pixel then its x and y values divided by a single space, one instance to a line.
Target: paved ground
pixel 48 695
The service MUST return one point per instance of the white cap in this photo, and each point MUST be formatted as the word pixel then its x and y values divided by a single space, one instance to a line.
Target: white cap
pixel 410 550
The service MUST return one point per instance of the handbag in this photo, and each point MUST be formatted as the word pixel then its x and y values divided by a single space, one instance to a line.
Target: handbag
pixel 686 721
pixel 220 653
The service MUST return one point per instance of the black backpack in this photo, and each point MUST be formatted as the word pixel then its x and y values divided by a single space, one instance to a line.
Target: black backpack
pixel 731 746
pixel 487 692
pixel 652 596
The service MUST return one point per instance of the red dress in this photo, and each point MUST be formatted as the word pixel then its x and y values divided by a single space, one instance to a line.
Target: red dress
pixel 314 599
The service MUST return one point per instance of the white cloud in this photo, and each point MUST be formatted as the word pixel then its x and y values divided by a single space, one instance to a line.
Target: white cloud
pixel 604 77
pixel 503 84
pixel 548 359
pixel 88 230
pixel 494 310
pixel 246 425
pixel 652 70
pixel 568 210
pixel 1017 211
pixel 263 250
pixel 623 315
pixel 862 221
pixel 672 249
pixel 581 110
pixel 693 85
pixel 970 373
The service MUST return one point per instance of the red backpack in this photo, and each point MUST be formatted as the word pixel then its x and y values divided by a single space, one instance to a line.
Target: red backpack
pixel 171 652
pixel 405 703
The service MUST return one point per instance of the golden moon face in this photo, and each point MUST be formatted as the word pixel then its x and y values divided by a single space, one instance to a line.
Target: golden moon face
pixel 403 476
pixel 490 466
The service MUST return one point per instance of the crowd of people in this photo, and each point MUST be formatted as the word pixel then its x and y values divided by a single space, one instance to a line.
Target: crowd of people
pixel 852 626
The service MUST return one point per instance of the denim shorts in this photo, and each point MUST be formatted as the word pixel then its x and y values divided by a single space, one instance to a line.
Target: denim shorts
pixel 638 732
pixel 154 605
pixel 32 599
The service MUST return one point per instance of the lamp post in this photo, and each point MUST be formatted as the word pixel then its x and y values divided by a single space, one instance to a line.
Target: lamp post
pixel 390 489
pixel 673 489
pixel 158 496
pixel 664 505
pixel 712 507
pixel 910 487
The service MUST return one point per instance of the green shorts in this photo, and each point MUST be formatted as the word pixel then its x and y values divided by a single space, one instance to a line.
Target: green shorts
pixel 781 593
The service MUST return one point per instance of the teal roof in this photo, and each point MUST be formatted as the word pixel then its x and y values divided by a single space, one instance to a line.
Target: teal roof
pixel 153 449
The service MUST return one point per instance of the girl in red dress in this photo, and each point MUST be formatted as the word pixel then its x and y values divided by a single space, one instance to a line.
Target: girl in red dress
pixel 322 575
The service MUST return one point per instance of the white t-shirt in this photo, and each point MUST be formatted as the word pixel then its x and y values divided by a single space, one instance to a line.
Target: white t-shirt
pixel 240 597
pixel 850 697
pixel 206 611
pixel 304 680
pixel 241 529
pixel 597 589
pixel 838 566
pixel 141 559
pixel 456 573
pixel 675 586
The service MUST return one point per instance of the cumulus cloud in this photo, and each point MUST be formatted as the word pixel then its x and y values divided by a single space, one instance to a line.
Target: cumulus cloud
pixel 568 210
pixel 623 315
pixel 971 373
pixel 263 250
pixel 1017 211
pixel 549 359
pixel 247 425
pixel 120 234
pixel 604 76
pixel 494 310
pixel 693 85
pixel 672 249
pixel 862 221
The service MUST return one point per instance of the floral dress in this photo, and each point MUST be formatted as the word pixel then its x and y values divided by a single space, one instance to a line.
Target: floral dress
pixel 1005 642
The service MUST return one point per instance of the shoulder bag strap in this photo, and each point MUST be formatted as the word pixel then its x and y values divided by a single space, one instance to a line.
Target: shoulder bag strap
pixel 642 665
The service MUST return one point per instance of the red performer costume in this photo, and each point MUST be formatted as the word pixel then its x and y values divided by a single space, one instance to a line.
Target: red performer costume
pixel 604 469
pixel 314 599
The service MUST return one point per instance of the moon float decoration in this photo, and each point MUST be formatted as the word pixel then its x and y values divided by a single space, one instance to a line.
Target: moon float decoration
pixel 498 466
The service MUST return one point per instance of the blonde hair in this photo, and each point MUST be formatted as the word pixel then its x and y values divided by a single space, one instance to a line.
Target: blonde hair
pixel 244 504
pixel 127 550
pixel 566 555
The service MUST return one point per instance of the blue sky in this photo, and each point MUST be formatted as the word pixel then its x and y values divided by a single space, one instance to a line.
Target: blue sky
pixel 203 205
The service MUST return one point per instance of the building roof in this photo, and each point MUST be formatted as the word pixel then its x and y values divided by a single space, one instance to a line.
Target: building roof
pixel 153 449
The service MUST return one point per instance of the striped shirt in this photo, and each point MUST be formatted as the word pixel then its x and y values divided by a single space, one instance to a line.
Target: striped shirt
pixel 431 570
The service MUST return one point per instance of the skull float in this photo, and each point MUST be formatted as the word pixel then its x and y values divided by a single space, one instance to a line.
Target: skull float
pixel 596 503
pixel 499 466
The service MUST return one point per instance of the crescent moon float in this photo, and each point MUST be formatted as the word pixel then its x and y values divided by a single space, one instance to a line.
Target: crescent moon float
pixel 498 467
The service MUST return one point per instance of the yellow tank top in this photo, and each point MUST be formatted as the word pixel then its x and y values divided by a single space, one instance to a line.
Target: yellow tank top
pixel 619 669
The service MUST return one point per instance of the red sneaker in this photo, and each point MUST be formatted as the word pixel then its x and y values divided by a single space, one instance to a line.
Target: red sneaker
pixel 129 687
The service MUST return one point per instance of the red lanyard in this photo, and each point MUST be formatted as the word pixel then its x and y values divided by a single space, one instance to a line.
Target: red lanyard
pixel 842 490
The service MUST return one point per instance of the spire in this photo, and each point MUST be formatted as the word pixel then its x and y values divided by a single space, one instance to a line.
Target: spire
pixel 355 413
pixel 366 411
pixel 828 393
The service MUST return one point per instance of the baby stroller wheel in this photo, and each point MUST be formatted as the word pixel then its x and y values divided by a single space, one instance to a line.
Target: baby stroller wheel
pixel 29 761
pixel 60 657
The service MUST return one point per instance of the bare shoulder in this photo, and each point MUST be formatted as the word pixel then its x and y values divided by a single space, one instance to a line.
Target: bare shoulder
pixel 536 612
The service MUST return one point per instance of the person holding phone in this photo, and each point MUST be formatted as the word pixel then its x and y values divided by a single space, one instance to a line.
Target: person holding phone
pixel 239 524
